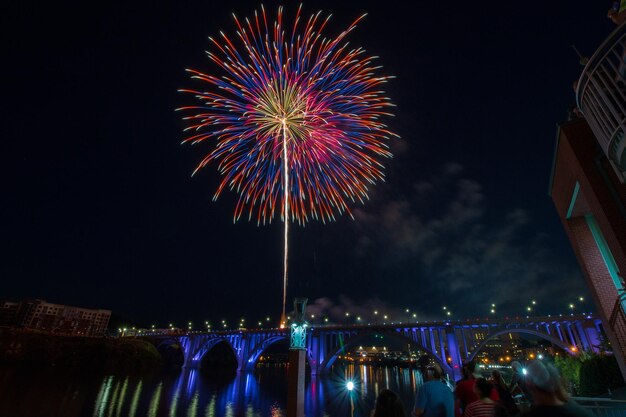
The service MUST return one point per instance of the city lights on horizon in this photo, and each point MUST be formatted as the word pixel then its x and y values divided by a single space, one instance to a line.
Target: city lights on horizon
pixel 395 316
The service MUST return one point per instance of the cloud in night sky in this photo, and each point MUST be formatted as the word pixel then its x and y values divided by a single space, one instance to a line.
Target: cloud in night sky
pixel 336 310
pixel 460 252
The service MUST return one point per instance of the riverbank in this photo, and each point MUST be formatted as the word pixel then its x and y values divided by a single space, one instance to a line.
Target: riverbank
pixel 28 348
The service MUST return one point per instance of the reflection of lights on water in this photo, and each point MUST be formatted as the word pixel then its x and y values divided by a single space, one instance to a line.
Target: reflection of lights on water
pixel 210 408
pixel 230 409
pixel 135 402
pixel 193 405
pixel 113 401
pixel 122 396
pixel 174 404
pixel 359 384
pixel 364 371
pixel 191 381
pixel 103 396
pixel 276 411
pixel 154 402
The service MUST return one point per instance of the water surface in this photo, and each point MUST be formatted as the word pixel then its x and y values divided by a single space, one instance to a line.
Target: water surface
pixel 191 393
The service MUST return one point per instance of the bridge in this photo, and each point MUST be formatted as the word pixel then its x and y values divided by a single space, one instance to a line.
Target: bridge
pixel 450 343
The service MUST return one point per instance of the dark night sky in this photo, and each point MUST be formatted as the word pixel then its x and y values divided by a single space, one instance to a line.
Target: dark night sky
pixel 99 209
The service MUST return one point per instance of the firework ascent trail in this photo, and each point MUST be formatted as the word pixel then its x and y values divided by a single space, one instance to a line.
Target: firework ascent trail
pixel 283 316
pixel 293 119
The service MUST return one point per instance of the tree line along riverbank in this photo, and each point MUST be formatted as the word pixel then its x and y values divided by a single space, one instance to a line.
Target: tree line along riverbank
pixel 27 348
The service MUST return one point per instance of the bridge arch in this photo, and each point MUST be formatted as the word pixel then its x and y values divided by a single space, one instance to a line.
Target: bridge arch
pixel 354 340
pixel 257 351
pixel 161 343
pixel 197 356
pixel 171 350
pixel 260 348
pixel 558 342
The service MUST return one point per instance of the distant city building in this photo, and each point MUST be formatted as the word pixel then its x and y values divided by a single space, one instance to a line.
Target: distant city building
pixel 54 318
pixel 587 184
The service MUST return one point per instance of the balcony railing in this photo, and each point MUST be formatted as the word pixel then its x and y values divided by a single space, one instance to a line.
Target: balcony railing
pixel 602 407
pixel 601 96
pixel 617 321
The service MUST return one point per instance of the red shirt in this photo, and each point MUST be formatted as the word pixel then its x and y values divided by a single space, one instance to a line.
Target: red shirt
pixel 480 409
pixel 464 391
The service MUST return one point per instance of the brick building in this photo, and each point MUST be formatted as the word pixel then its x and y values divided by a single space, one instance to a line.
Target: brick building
pixel 588 188
pixel 54 318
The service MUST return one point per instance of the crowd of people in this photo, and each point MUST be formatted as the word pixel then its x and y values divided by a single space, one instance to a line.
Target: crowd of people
pixel 534 391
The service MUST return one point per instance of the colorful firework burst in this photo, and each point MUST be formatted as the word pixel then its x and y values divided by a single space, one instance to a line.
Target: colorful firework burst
pixel 294 119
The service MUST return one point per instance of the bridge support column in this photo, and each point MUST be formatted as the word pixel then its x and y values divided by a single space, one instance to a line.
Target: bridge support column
pixel 453 351
pixel 591 332
pixel 242 355
pixel 315 346
pixel 187 343
pixel 584 340
pixel 295 383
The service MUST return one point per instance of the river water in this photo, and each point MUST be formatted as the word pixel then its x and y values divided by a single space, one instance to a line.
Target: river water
pixel 192 393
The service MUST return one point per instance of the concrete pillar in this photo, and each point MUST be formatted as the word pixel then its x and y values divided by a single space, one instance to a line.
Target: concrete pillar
pixel 558 331
pixel 295 381
pixel 187 347
pixel 572 338
pixel 591 331
pixel 464 343
pixel 314 349
pixel 584 340
pixel 453 351
pixel 432 341
pixel 242 353
pixel 440 334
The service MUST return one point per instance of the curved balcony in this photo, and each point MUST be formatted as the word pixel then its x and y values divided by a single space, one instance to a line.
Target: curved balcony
pixel 601 96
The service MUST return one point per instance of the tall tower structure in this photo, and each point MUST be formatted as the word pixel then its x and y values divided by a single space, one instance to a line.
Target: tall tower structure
pixel 588 184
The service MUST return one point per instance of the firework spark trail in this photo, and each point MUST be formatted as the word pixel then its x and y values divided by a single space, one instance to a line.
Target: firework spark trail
pixel 283 317
pixel 294 118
